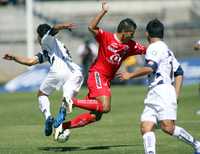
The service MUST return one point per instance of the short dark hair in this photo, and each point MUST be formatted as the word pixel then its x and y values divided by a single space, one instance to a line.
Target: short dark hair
pixel 42 29
pixel 126 25
pixel 155 28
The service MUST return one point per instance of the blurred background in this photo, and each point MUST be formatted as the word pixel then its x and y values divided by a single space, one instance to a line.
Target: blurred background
pixel 21 127
pixel 20 18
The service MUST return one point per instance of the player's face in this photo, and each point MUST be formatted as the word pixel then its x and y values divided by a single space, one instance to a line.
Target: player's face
pixel 126 36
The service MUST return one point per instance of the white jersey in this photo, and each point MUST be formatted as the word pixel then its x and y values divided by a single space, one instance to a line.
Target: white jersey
pixel 57 55
pixel 167 64
pixel 63 72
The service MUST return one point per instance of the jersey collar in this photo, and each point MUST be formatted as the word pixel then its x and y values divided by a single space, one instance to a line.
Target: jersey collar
pixel 115 36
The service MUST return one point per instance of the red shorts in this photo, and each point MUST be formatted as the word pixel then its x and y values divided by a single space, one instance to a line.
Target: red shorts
pixel 98 85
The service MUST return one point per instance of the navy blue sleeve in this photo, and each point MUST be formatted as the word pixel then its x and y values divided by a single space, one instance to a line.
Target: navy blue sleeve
pixel 179 71
pixel 43 56
pixel 152 64
pixel 40 57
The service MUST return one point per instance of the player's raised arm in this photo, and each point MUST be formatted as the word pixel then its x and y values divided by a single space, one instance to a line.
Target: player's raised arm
pixel 95 21
pixel 22 60
pixel 56 28
pixel 62 26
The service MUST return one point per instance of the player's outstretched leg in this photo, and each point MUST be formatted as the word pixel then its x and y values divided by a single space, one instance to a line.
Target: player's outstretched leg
pixel 97 108
pixel 89 104
pixel 183 135
pixel 60 118
pixel 79 121
pixel 44 106
pixel 65 108
pixel 149 141
pixel 48 126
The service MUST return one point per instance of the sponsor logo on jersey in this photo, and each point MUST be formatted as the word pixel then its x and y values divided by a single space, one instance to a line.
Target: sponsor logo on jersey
pixel 98 80
pixel 114 59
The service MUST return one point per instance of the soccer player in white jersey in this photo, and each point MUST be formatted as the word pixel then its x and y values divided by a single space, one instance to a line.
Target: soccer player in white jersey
pixel 63 71
pixel 165 79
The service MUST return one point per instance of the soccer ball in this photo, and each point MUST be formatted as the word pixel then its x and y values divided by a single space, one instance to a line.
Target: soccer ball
pixel 63 136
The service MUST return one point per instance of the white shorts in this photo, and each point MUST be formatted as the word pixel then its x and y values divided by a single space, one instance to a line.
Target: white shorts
pixel 160 104
pixel 70 84
pixel 73 85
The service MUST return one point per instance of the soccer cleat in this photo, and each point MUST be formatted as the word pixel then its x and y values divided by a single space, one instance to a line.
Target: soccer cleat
pixel 197 151
pixel 68 103
pixel 61 135
pixel 197 147
pixel 48 126
pixel 57 132
pixel 60 117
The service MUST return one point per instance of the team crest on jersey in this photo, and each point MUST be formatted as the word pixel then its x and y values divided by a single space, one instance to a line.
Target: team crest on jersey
pixel 114 47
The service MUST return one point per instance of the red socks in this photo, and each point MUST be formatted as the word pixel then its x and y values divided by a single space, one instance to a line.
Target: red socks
pixel 88 104
pixel 85 118
pixel 80 121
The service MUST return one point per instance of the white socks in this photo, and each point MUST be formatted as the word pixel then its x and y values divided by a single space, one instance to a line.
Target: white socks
pixel 44 105
pixel 180 133
pixel 183 135
pixel 149 143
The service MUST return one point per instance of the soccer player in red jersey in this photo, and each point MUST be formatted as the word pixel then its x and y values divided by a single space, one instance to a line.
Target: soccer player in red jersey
pixel 113 49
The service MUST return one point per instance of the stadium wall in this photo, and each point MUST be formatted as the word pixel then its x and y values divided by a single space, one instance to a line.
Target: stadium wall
pixel 178 16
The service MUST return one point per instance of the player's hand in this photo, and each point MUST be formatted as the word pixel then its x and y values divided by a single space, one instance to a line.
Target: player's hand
pixel 8 57
pixel 69 26
pixel 124 75
pixel 105 6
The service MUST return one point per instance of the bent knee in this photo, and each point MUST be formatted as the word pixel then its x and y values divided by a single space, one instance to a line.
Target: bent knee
pixel 105 100
pixel 169 129
pixel 146 127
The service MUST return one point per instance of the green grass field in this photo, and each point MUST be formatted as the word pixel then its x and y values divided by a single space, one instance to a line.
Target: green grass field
pixel 21 125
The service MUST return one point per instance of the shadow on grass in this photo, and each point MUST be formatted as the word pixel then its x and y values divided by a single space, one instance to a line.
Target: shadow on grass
pixel 76 148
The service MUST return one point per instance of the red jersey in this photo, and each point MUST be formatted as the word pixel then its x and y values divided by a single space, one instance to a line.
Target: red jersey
pixel 112 52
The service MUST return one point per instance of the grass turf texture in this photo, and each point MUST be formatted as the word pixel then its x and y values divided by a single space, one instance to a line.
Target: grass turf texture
pixel 21 129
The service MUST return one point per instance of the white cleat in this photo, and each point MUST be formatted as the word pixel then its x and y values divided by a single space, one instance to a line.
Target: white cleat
pixel 61 135
pixel 57 132
pixel 68 103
